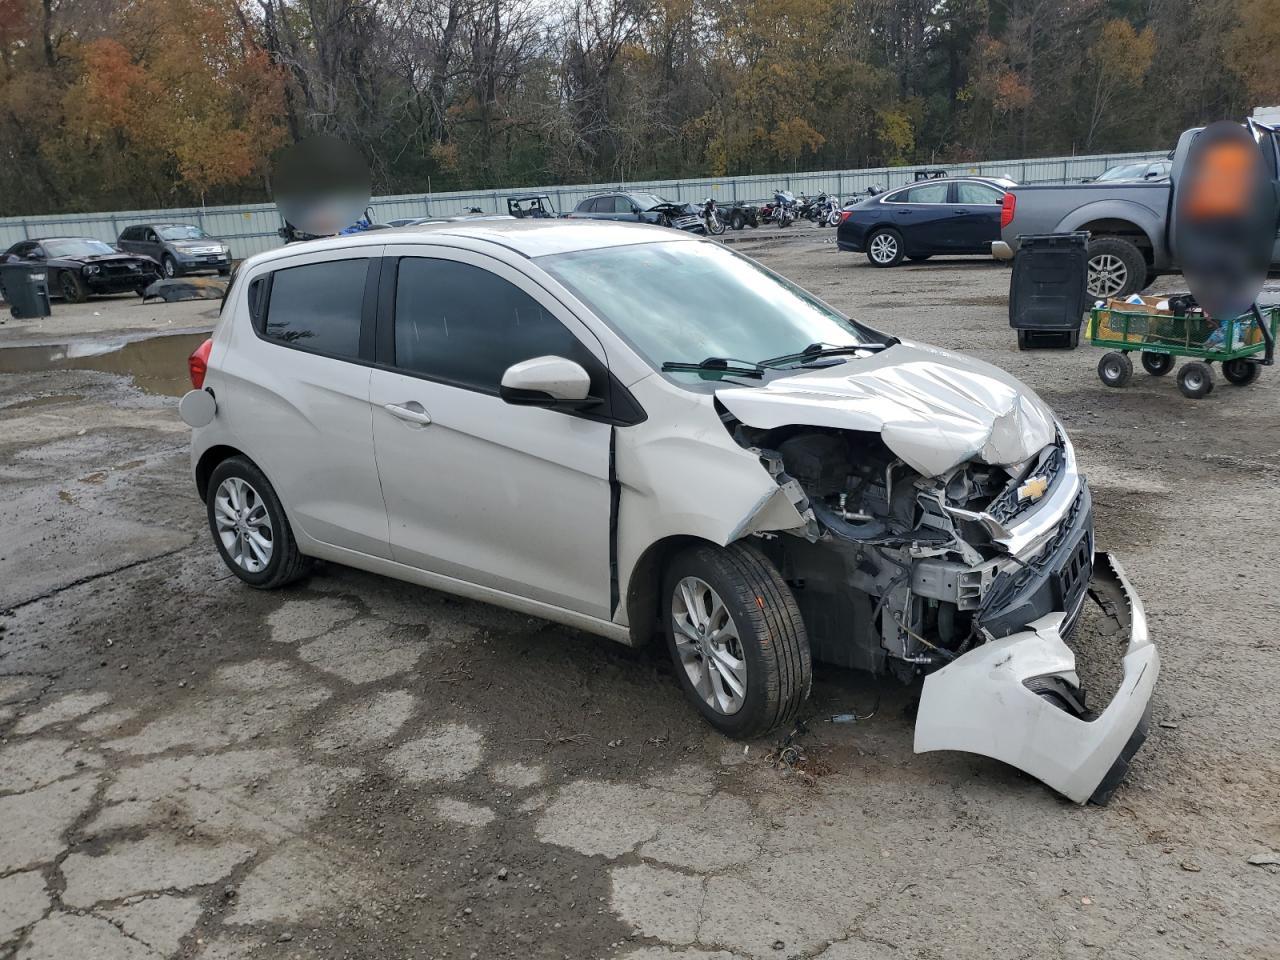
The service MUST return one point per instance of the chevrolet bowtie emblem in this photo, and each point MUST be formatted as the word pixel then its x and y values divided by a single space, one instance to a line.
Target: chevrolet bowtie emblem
pixel 1033 489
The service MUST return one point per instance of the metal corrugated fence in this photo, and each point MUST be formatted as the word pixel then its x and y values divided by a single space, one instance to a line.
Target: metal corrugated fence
pixel 252 228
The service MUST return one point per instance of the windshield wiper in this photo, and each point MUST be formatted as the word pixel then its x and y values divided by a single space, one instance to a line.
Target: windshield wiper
pixel 815 351
pixel 725 365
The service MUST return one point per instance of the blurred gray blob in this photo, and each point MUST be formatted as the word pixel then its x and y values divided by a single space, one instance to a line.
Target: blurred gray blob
pixel 1224 219
pixel 321 185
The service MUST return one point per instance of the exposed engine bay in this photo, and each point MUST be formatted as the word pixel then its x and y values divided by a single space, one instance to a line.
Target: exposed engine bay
pixel 902 573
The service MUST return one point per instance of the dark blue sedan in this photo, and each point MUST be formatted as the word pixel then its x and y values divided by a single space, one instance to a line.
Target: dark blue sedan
pixel 928 218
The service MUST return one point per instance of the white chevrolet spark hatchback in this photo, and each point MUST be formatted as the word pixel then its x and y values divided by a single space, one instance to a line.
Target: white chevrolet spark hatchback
pixel 643 434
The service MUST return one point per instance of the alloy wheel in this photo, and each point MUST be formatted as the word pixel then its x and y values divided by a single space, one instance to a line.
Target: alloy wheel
pixel 1107 276
pixel 244 524
pixel 708 645
pixel 883 248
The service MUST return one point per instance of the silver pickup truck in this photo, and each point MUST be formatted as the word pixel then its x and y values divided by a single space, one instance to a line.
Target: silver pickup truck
pixel 1130 224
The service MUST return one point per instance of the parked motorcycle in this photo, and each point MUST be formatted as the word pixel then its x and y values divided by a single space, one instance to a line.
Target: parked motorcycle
pixel 807 207
pixel 784 202
pixel 711 217
pixel 828 212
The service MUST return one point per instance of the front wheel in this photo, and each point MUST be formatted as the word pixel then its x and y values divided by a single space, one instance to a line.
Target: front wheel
pixel 739 221
pixel 249 526
pixel 170 267
pixel 884 248
pixel 737 641
pixel 73 287
pixel 1195 380
pixel 1241 372
pixel 715 226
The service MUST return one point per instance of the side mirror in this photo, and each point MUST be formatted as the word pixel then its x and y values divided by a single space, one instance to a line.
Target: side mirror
pixel 547 382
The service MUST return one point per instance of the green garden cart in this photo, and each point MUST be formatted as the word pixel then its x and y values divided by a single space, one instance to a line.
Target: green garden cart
pixel 1243 345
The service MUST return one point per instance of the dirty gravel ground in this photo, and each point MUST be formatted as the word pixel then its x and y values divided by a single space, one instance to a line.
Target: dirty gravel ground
pixel 361 769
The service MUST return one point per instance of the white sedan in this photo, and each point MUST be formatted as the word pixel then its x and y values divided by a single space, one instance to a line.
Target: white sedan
pixel 642 434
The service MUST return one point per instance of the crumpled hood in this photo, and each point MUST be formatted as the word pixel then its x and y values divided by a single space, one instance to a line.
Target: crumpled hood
pixel 932 408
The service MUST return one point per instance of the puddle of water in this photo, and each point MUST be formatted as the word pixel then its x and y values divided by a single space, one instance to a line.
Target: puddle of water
pixel 156 364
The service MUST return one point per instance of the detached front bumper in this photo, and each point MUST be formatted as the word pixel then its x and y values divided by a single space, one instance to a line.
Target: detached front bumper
pixel 980 703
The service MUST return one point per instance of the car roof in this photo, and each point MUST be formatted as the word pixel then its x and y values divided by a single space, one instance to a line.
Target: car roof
pixel 528 238
pixel 47 239
pixel 1000 183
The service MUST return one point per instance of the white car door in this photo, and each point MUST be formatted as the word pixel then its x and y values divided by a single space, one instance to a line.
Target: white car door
pixel 296 385
pixel 515 498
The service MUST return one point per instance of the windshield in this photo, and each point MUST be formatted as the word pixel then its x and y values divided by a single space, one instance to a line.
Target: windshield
pixel 76 248
pixel 647 201
pixel 1126 171
pixel 687 301
pixel 182 231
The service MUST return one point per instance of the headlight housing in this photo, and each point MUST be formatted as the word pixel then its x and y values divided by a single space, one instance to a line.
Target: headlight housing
pixel 91 269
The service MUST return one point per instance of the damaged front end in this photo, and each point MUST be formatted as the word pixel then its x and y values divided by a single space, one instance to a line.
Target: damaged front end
pixel 975 577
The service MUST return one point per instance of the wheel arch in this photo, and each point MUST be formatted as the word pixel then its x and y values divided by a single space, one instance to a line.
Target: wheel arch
pixel 209 461
pixel 644 588
pixel 1125 221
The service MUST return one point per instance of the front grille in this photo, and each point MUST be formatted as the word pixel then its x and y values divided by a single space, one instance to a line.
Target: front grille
pixel 1073 581
pixel 1007 506
pixel 117 270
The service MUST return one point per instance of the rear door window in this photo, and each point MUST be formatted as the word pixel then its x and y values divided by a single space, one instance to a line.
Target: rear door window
pixel 317 307
pixel 976 193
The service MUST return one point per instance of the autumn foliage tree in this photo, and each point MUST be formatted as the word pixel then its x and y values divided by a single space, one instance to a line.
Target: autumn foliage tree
pixel 113 104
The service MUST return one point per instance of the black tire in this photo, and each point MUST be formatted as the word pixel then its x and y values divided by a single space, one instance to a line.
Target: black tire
pixel 1157 364
pixel 892 252
pixel 1115 369
pixel 1241 372
pixel 73 287
pixel 919 257
pixel 169 267
pixel 738 221
pixel 1024 340
pixel 773 643
pixel 286 564
pixel 1073 339
pixel 1195 380
pixel 1117 269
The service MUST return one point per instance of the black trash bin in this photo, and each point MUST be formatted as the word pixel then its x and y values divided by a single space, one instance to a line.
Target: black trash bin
pixel 26 289
pixel 1047 292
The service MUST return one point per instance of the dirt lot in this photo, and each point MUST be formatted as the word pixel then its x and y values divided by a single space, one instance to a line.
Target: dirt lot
pixel 360 769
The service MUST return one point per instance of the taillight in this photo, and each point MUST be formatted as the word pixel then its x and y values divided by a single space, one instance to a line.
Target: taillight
pixel 1007 207
pixel 845 215
pixel 198 364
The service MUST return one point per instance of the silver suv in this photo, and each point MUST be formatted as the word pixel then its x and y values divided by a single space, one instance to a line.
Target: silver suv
pixel 642 434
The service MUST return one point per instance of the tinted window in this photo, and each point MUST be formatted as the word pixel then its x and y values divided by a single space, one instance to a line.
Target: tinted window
pixel 462 324
pixel 621 205
pixel 586 206
pixel 318 306
pixel 977 193
pixel 927 193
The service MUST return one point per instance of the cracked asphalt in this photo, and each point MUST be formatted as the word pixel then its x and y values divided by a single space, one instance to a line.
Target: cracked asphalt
pixel 357 768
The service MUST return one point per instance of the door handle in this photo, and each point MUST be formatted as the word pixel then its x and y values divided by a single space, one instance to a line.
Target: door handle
pixel 412 412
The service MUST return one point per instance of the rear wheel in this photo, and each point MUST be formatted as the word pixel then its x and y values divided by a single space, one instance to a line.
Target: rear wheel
pixel 884 248
pixel 1157 364
pixel 738 221
pixel 1241 372
pixel 1117 269
pixel 739 646
pixel 250 528
pixel 1195 380
pixel 1115 369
